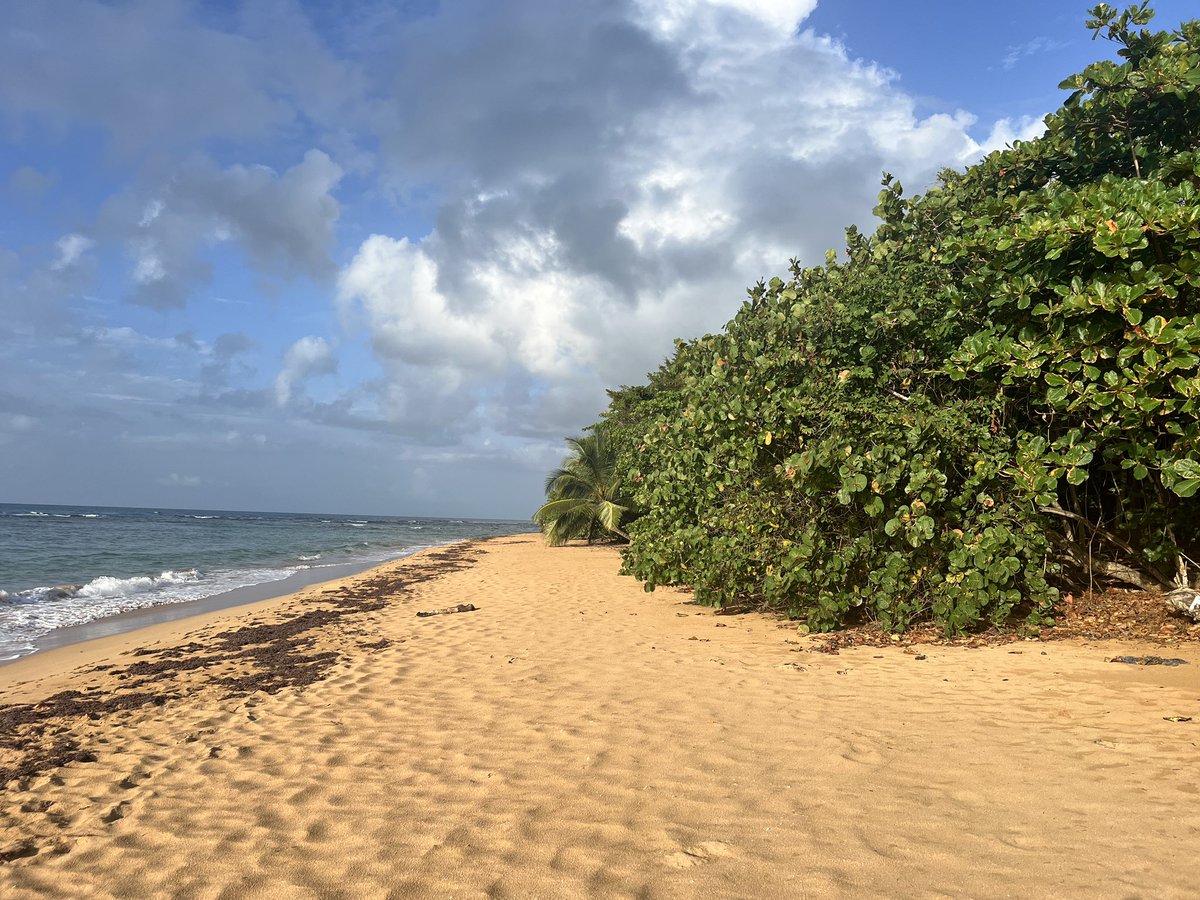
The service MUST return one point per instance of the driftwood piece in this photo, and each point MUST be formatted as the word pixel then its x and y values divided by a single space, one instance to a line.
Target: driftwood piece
pixel 445 611
pixel 1186 601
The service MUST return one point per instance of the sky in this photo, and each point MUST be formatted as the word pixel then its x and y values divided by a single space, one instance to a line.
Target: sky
pixel 382 257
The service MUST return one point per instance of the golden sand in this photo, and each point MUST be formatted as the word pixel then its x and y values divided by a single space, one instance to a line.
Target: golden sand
pixel 577 737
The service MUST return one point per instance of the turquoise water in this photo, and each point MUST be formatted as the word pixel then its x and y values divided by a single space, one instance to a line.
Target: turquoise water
pixel 69 565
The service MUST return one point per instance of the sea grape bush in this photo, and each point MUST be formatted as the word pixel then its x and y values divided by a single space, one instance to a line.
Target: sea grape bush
pixel 806 469
pixel 993 395
pixel 1089 262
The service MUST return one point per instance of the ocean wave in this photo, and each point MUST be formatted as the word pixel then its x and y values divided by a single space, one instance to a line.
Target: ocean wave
pixel 38 594
pixel 102 588
pixel 229 553
pixel 35 514
pixel 26 615
pixel 106 586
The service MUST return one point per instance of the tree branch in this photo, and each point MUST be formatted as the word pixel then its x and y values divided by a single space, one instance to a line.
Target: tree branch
pixel 1148 580
pixel 1056 510
pixel 1113 570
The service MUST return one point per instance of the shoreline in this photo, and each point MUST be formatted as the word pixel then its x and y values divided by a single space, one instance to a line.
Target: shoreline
pixel 136 619
pixel 79 572
pixel 53 667
pixel 575 736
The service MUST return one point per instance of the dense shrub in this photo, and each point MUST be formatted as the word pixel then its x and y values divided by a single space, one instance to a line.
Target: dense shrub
pixel 993 394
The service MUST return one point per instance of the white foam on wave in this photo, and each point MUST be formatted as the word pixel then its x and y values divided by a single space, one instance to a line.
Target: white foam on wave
pixel 27 615
pixel 34 514
pixel 102 588
pixel 106 586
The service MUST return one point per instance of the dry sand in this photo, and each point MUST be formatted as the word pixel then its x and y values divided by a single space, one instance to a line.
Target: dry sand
pixel 577 737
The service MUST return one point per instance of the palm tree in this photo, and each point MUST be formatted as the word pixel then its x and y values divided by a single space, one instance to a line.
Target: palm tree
pixel 584 496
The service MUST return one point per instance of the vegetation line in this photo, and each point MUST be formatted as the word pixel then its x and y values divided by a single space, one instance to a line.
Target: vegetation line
pixel 993 397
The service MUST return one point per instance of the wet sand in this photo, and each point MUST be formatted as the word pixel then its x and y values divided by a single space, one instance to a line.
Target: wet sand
pixel 575 736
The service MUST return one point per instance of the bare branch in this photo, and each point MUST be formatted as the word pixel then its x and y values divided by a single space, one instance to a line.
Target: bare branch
pixel 1161 580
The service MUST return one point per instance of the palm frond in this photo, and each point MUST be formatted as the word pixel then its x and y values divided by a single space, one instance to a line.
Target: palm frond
pixel 584 494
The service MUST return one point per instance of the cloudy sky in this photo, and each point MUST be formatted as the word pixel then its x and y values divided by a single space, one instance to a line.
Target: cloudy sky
pixel 380 257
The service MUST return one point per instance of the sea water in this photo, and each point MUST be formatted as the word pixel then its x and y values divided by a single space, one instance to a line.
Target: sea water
pixel 64 566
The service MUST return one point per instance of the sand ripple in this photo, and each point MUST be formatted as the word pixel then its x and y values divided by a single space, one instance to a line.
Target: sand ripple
pixel 577 737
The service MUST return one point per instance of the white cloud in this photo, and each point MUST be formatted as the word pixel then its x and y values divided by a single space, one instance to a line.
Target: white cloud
pixel 1030 48
pixel 559 268
pixel 308 357
pixel 177 480
pixel 674 17
pixel 71 248
pixel 152 211
pixel 1005 131
pixel 395 285
pixel 284 223
pixel 125 338
pixel 148 267
pixel 573 185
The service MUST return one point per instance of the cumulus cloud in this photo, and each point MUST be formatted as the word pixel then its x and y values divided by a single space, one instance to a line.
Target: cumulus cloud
pixel 1006 131
pixel 284 223
pixel 308 357
pixel 600 201
pixel 513 207
pixel 684 18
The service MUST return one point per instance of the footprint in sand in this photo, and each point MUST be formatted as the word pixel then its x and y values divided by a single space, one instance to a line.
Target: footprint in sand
pixel 116 813
pixel 132 780
pixel 706 851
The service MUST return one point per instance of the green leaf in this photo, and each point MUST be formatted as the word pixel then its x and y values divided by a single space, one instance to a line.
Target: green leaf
pixel 1187 487
pixel 1186 468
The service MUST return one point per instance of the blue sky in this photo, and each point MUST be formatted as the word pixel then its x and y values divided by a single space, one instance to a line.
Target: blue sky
pixel 381 257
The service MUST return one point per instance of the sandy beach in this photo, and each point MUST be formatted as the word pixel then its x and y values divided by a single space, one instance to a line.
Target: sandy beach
pixel 574 736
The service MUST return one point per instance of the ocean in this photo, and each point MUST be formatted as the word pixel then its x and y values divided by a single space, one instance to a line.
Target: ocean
pixel 64 566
